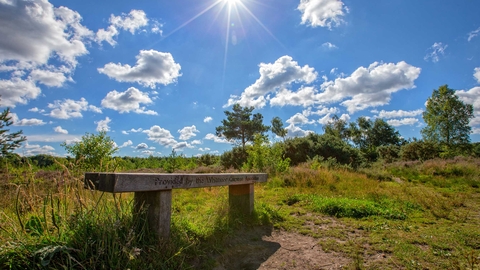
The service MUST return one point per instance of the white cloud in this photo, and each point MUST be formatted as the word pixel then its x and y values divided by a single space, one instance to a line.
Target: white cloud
pixel 369 87
pixel 295 131
pixel 476 73
pixel 329 117
pixel 53 138
pixel 16 90
pixel 299 119
pixel 141 146
pixel 305 96
pixel 70 108
pixel 37 31
pixel 107 35
pixel 323 13
pixel 36 149
pixel 181 145
pixel 152 68
pixel 320 111
pixel 330 46
pixel 25 122
pixel 435 51
pixel 161 136
pixel 204 149
pixel 473 34
pixel 399 113
pixel 94 109
pixel 196 142
pixel 102 125
pixel 157 28
pixel 215 138
pixel 187 132
pixel 59 129
pixel 125 144
pixel 472 96
pixel 272 77
pixel 402 122
pixel 48 78
pixel 131 22
pixel 207 119
pixel 128 101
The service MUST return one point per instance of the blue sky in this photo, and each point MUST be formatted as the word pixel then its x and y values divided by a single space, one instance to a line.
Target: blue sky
pixel 158 75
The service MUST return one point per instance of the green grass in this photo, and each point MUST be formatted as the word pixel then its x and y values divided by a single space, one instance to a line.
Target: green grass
pixel 420 215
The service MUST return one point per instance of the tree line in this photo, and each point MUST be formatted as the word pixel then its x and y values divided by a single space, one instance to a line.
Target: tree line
pixel 446 134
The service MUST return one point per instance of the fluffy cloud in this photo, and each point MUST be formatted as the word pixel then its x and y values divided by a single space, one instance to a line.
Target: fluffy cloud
pixel 320 111
pixel 141 146
pixel 305 96
pixel 435 51
pixel 125 144
pixel 128 101
pixel 187 132
pixel 160 136
pixel 152 68
pixel 129 22
pixel 299 119
pixel 476 74
pixel 272 77
pixel 59 129
pixel 70 108
pixel 207 119
pixel 102 125
pixel 295 131
pixel 402 122
pixel 472 96
pixel 49 78
pixel 323 13
pixel 26 122
pixel 369 87
pixel 215 138
pixel 181 145
pixel 398 114
pixel 329 117
pixel 36 149
pixel 16 90
pixel 37 31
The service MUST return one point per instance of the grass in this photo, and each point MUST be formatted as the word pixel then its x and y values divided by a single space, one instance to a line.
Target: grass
pixel 419 215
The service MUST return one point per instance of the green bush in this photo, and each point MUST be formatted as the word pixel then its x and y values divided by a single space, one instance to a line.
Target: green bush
pixel 327 146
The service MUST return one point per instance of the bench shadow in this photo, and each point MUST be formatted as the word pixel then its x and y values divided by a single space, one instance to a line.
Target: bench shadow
pixel 246 248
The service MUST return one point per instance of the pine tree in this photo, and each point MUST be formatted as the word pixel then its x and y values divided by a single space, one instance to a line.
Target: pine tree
pixel 8 141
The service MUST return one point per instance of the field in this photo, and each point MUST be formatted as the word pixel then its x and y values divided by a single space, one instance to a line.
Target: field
pixel 318 215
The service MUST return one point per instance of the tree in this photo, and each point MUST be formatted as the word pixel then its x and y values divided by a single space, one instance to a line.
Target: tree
pixel 9 141
pixel 241 126
pixel 447 119
pixel 277 127
pixel 337 127
pixel 368 135
pixel 93 151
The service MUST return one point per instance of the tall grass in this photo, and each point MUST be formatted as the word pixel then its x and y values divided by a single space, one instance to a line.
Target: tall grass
pixel 423 214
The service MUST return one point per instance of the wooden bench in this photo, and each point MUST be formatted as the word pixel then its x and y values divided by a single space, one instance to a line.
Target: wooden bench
pixel 154 190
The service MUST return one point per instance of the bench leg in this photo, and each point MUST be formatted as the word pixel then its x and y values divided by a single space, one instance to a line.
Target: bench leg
pixel 159 211
pixel 240 198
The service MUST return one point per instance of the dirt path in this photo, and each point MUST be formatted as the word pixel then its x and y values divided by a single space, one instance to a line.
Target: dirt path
pixel 262 248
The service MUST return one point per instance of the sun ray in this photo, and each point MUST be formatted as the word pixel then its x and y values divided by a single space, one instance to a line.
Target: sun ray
pixel 195 17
